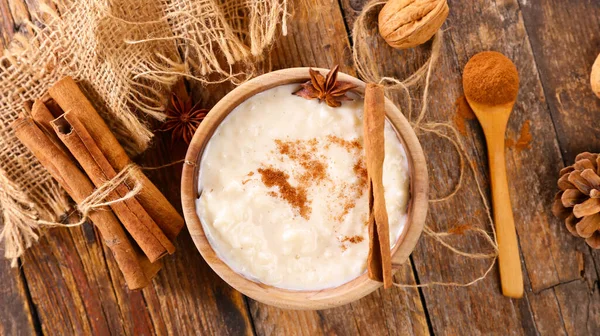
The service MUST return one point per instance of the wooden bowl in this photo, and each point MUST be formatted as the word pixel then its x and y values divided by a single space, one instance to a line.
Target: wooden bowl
pixel 321 299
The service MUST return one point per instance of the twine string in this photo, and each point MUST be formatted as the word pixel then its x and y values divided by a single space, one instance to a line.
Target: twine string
pixel 97 199
pixel 367 69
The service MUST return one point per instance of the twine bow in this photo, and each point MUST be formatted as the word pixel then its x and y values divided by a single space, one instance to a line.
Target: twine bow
pixel 97 199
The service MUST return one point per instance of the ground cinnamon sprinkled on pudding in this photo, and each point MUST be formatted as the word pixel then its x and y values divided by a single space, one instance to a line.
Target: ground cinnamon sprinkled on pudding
pixel 351 192
pixel 246 180
pixel 316 171
pixel 305 190
pixel 354 240
pixel 361 172
pixel 312 168
pixel 303 152
pixel 296 197
pixel 355 190
pixel 347 144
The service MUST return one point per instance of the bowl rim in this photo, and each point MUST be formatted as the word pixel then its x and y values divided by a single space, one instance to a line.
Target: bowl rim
pixel 292 299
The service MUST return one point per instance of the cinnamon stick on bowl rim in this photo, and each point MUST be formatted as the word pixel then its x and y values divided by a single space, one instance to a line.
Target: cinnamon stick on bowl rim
pixel 379 261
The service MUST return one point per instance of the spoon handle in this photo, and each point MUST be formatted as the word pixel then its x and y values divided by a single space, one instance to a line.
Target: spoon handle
pixel 509 260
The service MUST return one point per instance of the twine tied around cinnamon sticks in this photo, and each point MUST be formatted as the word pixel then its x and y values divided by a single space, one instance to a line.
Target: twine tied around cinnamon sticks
pixel 367 69
pixel 97 199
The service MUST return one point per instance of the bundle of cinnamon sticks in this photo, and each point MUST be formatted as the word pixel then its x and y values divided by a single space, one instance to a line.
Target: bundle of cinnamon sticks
pixel 75 145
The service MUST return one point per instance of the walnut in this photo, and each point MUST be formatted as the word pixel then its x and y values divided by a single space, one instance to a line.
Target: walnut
pixel 595 77
pixel 408 23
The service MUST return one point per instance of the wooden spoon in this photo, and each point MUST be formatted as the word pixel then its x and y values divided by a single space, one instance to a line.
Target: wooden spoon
pixel 485 81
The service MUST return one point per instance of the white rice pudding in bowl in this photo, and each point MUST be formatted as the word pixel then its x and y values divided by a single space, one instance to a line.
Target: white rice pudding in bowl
pixel 283 190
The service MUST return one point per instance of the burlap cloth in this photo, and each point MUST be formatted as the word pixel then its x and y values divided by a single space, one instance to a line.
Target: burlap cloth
pixel 126 54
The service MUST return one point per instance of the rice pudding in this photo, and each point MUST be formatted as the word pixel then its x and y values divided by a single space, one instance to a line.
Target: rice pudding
pixel 284 190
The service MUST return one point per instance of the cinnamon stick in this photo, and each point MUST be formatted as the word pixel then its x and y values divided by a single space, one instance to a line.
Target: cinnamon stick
pixel 69 97
pixel 42 116
pixel 136 268
pixel 134 217
pixel 379 259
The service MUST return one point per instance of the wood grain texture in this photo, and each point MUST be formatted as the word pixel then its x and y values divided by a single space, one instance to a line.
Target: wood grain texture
pixel 565 37
pixel 453 310
pixel 15 312
pixel 394 312
pixel 37 11
pixel 530 171
pixel 553 42
pixel 7 24
pixel 68 285
pixel 495 26
pixel 541 236
pixel 565 50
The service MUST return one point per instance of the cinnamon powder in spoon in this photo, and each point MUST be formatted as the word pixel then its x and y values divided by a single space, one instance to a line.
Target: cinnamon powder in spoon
pixel 490 78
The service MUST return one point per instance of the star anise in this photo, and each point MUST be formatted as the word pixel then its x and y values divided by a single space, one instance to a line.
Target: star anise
pixel 183 118
pixel 326 89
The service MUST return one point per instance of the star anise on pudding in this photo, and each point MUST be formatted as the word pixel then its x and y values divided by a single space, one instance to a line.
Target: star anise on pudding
pixel 183 118
pixel 327 89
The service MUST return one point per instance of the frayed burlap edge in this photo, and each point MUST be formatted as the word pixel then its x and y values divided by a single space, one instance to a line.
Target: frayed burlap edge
pixel 125 55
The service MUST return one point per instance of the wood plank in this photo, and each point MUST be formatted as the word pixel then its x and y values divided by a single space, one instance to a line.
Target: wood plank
pixel 575 109
pixel 564 37
pixel 394 312
pixel 564 51
pixel 19 13
pixel 579 302
pixel 64 274
pixel 15 312
pixel 7 28
pixel 569 308
pixel 499 27
pixel 453 310
pixel 546 318
pixel 563 302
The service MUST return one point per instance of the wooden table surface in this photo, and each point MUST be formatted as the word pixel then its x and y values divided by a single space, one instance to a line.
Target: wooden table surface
pixel 69 284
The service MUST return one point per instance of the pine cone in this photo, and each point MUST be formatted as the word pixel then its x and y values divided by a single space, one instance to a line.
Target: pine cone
pixel 578 202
